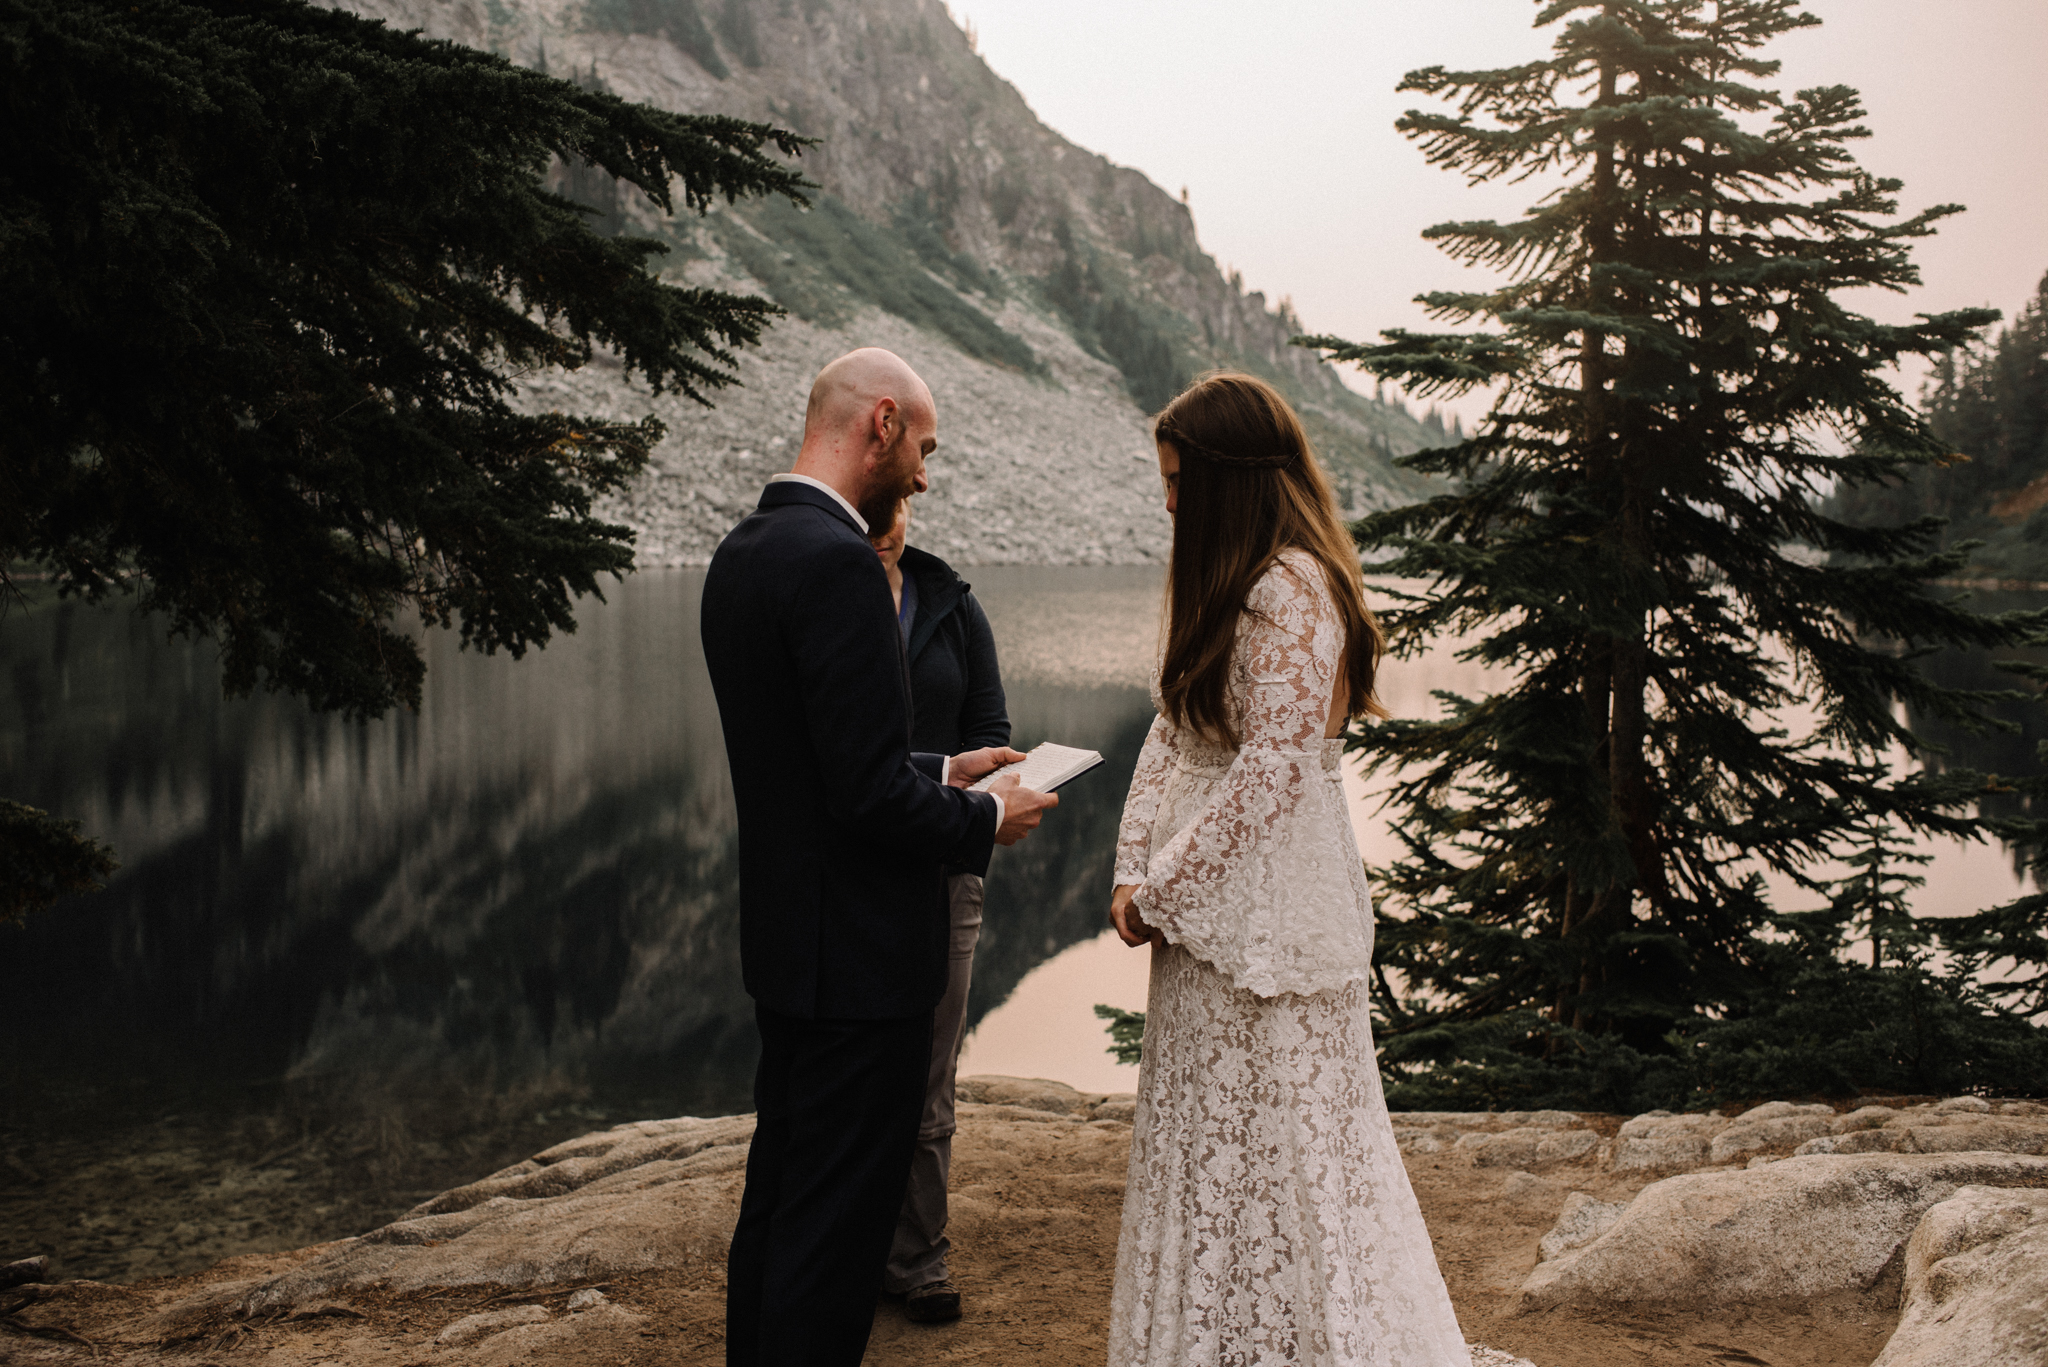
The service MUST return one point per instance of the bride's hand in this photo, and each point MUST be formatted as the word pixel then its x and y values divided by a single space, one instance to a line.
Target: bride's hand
pixel 1130 927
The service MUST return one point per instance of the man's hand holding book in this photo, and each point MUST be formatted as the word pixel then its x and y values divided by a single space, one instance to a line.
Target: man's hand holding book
pixel 1003 771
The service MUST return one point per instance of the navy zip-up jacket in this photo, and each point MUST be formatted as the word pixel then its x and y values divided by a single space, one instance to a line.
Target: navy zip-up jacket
pixel 956 690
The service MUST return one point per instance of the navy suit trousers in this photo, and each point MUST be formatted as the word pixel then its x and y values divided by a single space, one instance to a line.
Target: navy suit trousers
pixel 839 1103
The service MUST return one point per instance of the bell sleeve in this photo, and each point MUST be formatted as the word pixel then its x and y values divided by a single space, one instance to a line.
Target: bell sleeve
pixel 1141 807
pixel 1266 883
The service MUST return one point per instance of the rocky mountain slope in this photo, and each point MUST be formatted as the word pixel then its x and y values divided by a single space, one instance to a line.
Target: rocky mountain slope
pixel 1051 297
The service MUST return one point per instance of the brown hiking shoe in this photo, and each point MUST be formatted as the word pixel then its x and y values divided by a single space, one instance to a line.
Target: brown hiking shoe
pixel 933 1303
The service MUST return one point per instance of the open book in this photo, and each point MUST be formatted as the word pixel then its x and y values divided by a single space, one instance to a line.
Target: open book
pixel 1044 769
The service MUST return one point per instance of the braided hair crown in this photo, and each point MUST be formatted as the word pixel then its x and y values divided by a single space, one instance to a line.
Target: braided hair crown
pixel 1248 453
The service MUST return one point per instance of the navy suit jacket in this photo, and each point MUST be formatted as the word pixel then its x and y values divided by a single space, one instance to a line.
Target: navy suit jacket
pixel 844 833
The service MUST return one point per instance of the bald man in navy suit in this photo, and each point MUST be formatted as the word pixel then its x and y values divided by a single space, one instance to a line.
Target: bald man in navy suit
pixel 845 836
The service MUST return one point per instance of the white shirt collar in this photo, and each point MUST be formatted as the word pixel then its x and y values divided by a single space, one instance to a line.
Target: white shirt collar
pixel 837 497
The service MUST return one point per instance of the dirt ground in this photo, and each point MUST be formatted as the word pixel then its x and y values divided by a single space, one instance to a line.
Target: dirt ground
pixel 115 1193
pixel 1034 1224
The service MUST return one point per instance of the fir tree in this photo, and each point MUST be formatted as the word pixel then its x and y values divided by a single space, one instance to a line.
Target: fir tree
pixel 267 272
pixel 1701 670
pixel 2004 950
pixel 1989 404
pixel 1126 1031
pixel 43 859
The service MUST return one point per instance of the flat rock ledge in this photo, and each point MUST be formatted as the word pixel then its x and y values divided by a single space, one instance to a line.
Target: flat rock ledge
pixel 1940 1207
pixel 1976 1282
pixel 1661 1141
pixel 1936 1210
pixel 1801 1229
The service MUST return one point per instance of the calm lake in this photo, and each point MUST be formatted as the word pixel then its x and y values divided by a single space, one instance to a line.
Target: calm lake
pixel 344 966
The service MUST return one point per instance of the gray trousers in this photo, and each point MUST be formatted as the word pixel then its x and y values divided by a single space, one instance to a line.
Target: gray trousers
pixel 918 1255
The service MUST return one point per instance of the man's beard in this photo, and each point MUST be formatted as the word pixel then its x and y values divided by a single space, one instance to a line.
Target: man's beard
pixel 895 479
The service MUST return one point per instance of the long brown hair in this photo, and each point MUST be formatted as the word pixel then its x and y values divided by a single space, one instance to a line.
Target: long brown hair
pixel 1250 488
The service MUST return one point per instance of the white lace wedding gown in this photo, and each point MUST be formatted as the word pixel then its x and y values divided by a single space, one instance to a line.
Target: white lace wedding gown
pixel 1267 1218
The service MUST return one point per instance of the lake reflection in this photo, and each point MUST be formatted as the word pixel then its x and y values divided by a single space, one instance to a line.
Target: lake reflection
pixel 520 901
pixel 343 966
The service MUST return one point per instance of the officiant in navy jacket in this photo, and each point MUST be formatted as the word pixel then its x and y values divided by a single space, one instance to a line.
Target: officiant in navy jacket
pixel 845 836
pixel 956 696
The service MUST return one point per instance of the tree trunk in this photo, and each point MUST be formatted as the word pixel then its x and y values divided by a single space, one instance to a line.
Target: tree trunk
pixel 1604 686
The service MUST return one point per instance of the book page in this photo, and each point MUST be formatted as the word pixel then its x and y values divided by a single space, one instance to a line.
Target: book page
pixel 1045 768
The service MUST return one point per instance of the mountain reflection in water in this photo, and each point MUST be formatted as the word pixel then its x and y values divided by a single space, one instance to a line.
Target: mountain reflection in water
pixel 344 966
pixel 426 930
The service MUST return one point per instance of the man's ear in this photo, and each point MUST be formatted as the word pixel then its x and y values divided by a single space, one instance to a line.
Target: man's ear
pixel 886 420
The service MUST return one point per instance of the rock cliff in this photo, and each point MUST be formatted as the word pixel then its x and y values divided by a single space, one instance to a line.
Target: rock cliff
pixel 1051 297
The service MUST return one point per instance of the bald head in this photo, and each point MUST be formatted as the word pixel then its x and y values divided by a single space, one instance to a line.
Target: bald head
pixel 847 391
pixel 868 428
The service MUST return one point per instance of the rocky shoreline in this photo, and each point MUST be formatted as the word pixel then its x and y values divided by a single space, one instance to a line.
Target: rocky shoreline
pixel 1911 1232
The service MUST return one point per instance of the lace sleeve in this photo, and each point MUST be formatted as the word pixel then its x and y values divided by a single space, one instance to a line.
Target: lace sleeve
pixel 1266 882
pixel 1141 808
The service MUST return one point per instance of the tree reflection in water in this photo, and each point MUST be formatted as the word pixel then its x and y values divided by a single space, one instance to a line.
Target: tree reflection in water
pixel 438 941
pixel 346 965
pixel 2006 753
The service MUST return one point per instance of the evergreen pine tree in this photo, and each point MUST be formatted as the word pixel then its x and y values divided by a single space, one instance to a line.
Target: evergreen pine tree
pixel 266 273
pixel 1989 404
pixel 43 859
pixel 1700 671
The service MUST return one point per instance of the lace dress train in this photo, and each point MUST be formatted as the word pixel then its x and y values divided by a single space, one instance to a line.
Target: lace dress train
pixel 1267 1218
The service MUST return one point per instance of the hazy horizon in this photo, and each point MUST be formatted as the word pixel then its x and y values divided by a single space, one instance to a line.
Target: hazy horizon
pixel 1279 121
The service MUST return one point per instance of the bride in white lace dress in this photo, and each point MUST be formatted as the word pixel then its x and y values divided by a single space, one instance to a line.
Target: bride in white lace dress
pixel 1268 1218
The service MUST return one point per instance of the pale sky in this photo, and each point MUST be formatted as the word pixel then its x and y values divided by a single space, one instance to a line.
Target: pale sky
pixel 1278 118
